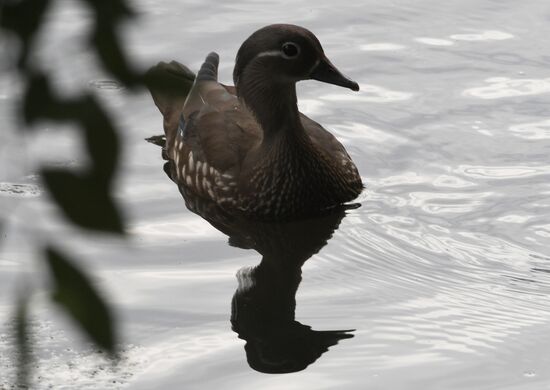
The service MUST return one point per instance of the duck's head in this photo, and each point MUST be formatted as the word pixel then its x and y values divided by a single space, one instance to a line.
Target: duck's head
pixel 285 54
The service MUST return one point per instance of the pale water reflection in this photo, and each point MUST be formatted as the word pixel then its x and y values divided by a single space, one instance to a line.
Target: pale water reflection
pixel 504 87
pixel 434 41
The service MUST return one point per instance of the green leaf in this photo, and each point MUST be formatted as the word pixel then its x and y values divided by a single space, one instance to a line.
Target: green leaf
pixel 39 102
pixel 77 296
pixel 23 18
pixel 111 11
pixel 84 199
pixel 109 50
pixel 102 139
pixel 22 344
pixel 105 40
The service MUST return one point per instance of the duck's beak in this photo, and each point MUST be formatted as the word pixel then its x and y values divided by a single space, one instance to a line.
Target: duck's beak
pixel 328 73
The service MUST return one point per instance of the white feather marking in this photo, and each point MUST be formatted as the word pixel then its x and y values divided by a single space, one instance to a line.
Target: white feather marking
pixel 188 180
pixel 191 162
pixel 198 182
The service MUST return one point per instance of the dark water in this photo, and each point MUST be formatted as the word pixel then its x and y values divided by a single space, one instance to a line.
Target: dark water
pixel 442 276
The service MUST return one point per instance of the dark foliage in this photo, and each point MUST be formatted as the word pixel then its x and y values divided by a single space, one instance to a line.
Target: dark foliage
pixel 74 292
pixel 84 197
pixel 23 18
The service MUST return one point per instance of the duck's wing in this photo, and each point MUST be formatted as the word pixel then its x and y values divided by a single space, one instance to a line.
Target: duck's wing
pixel 333 150
pixel 215 126
pixel 322 139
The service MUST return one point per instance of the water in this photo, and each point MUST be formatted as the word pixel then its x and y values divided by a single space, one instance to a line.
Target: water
pixel 443 272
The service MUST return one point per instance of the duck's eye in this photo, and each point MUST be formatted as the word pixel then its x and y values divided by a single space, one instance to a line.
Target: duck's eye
pixel 290 50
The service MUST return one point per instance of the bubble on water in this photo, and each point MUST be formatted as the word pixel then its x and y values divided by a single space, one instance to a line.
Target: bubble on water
pixel 15 190
pixel 529 373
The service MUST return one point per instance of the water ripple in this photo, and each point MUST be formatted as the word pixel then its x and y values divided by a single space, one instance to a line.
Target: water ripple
pixel 504 87
pixel 533 130
pixel 502 172
pixel 488 35
pixel 370 93
pixel 434 41
pixel 381 46
pixel 15 190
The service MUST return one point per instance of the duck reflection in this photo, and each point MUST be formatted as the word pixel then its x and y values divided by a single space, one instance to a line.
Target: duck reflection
pixel 263 307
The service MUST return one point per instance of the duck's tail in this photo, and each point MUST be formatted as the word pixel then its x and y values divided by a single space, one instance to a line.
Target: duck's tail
pixel 209 69
pixel 169 84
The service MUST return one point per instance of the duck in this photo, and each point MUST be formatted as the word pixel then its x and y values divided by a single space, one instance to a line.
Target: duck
pixel 246 147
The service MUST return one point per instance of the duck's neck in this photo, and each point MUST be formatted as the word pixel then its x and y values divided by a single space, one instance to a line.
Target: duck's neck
pixel 275 106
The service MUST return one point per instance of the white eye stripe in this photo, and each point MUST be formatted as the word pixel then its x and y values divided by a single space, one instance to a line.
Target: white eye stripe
pixel 270 53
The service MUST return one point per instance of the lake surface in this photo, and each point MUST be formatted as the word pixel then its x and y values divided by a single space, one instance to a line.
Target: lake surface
pixel 442 276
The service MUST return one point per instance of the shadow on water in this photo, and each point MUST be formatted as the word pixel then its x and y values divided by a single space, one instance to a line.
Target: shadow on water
pixel 263 307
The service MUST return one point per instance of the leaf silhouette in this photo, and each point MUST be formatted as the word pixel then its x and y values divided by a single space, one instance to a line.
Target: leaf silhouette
pixel 23 18
pixel 77 296
pixel 110 52
pixel 83 199
pixel 102 140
